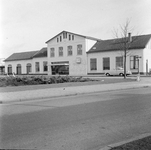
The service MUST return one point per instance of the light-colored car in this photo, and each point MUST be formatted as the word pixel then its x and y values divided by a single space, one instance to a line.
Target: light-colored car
pixel 118 71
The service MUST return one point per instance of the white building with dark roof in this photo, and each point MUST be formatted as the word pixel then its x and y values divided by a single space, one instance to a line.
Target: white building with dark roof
pixel 67 53
pixel 108 55
pixel 73 54
pixel 26 62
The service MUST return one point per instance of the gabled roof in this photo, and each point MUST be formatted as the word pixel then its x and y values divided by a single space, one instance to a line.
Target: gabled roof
pixel 41 53
pixel 87 37
pixel 21 56
pixel 139 42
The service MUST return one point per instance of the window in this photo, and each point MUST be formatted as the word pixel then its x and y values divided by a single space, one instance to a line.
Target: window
pixel 45 66
pixel 18 68
pixel 119 62
pixel 106 63
pixel 133 62
pixel 60 51
pixel 28 67
pixel 64 35
pixel 52 52
pixel 37 66
pixel 69 37
pixel 69 50
pixel 9 69
pixel 57 39
pixel 60 38
pixel 79 49
pixel 72 37
pixel 93 64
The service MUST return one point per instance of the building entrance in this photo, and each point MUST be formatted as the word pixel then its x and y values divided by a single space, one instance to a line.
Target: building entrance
pixel 61 68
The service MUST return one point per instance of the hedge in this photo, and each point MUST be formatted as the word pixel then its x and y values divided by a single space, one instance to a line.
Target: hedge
pixel 33 80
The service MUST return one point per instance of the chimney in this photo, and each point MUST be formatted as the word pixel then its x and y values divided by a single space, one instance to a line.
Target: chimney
pixel 129 37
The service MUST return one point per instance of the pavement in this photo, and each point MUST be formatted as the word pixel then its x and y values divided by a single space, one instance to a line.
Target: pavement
pixel 35 94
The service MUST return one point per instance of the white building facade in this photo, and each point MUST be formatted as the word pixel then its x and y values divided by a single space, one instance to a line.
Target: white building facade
pixel 67 53
pixel 104 56
pixel 25 63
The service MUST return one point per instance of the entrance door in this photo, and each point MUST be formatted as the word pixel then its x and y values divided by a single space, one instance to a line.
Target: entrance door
pixel 18 69
pixel 28 68
pixel 60 69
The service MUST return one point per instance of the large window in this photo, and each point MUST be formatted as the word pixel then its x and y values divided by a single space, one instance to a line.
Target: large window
pixel 37 67
pixel 28 66
pixel 60 51
pixel 45 67
pixel 133 62
pixel 18 68
pixel 79 49
pixel 52 52
pixel 106 63
pixel 119 62
pixel 9 69
pixel 64 35
pixel 69 50
pixel 93 64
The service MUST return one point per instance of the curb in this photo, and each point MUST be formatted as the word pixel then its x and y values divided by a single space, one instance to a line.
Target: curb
pixel 109 147
pixel 72 94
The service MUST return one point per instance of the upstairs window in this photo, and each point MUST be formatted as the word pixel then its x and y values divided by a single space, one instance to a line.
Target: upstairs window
pixel 69 50
pixel 64 35
pixel 60 51
pixel 79 49
pixel 60 38
pixel 52 52
pixel 69 37
pixel 72 37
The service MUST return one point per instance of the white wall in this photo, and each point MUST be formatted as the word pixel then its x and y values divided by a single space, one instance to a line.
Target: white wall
pixel 14 65
pixel 40 60
pixel 24 63
pixel 74 67
pixel 113 54
pixel 89 44
pixel 147 56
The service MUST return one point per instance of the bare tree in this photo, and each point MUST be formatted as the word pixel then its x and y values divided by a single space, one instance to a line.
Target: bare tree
pixel 124 41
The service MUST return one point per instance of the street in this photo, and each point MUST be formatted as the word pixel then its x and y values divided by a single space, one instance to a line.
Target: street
pixel 81 122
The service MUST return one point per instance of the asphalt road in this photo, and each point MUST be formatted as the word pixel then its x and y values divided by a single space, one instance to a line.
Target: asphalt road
pixel 82 122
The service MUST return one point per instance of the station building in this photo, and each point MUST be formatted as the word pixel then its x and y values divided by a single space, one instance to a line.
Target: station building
pixel 73 54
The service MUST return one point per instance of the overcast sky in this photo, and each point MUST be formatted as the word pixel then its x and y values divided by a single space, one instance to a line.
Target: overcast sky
pixel 27 24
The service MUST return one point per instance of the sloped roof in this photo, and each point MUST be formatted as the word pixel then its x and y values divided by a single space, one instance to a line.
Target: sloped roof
pixel 21 56
pixel 41 53
pixel 87 37
pixel 139 42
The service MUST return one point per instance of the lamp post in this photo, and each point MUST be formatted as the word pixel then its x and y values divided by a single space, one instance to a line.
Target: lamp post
pixel 138 75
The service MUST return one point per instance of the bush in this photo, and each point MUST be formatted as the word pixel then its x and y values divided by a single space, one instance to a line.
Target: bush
pixel 33 80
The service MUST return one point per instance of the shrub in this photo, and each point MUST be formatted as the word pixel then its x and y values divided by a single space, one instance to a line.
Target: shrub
pixel 33 80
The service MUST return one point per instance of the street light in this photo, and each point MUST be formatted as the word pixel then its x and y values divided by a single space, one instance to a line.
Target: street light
pixel 138 75
pixel 138 61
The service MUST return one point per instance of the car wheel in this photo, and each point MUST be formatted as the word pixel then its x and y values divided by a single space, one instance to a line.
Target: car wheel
pixel 121 74
pixel 107 74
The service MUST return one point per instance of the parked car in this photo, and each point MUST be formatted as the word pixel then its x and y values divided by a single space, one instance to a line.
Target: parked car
pixel 118 71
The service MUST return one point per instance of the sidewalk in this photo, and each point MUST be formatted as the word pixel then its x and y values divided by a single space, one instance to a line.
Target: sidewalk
pixel 9 97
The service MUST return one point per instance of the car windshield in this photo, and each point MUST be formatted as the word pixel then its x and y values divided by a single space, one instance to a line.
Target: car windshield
pixel 119 68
